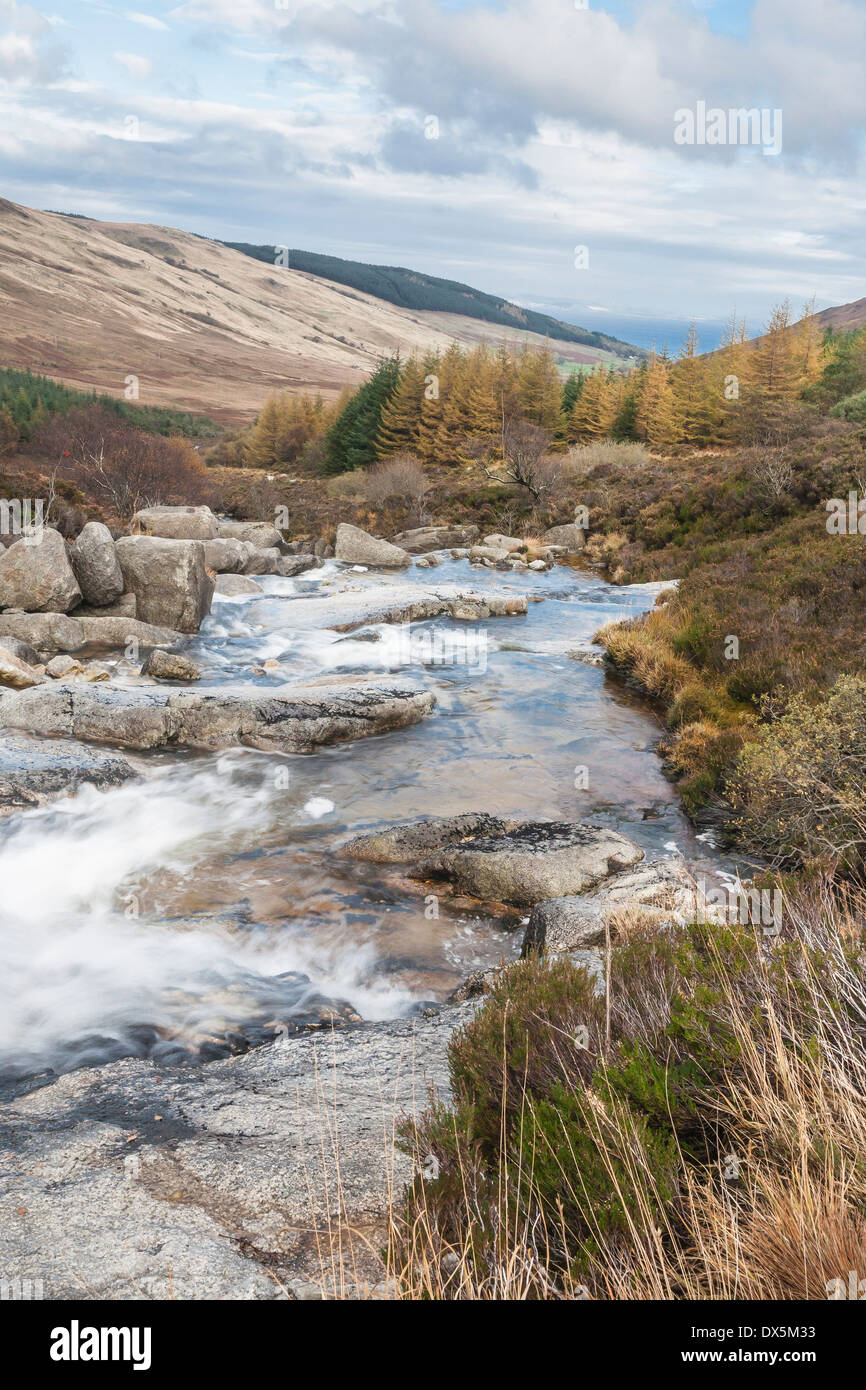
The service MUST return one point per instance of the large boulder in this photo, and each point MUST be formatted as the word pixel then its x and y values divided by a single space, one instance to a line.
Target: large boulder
pixel 36 576
pixel 262 561
pixel 572 536
pixel 176 523
pixel 169 579
pixel 509 544
pixel 291 719
pixel 413 840
pixel 260 534
pixel 96 567
pixel 423 539
pixel 356 547
pixel 47 632
pixel 539 859
pixel 226 555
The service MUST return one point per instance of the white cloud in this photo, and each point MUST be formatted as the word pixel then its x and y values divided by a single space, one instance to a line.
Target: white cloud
pixel 135 63
pixel 149 21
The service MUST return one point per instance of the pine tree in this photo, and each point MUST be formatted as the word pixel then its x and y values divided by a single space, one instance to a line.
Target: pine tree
pixel 539 387
pixel 401 415
pixel 595 410
pixel 773 368
pixel 351 440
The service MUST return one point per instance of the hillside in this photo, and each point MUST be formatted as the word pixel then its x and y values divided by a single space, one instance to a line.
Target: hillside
pixel 411 289
pixel 202 326
pixel 844 317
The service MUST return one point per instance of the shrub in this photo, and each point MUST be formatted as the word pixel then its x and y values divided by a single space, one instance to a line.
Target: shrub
pixel 799 789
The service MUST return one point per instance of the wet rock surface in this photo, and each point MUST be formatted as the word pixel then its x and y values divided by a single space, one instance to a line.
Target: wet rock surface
pixel 132 1181
pixel 534 861
pixel 412 840
pixel 34 771
pixel 294 719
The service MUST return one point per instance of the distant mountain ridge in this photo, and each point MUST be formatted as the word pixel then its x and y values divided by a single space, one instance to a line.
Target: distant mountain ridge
pixel 413 289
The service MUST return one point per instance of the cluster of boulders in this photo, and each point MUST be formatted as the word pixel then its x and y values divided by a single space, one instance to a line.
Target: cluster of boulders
pixel 154 586
pixel 429 545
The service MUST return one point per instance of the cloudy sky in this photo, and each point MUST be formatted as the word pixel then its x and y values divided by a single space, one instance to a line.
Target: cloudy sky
pixel 483 140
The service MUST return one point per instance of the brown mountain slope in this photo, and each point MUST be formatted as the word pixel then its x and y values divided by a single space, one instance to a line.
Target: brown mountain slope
pixel 844 317
pixel 200 326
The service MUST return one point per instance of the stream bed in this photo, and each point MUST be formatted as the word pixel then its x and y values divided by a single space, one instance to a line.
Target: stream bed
pixel 206 906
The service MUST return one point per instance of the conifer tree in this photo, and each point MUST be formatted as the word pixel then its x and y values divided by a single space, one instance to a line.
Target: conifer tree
pixel 401 415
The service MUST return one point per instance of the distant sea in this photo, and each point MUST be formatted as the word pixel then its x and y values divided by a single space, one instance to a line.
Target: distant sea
pixel 642 331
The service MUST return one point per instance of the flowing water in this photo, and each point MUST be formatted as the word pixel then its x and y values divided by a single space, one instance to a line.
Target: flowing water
pixel 210 899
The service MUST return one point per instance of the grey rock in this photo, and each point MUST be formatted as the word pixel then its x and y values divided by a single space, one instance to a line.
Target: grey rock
pixel 571 536
pixel 226 555
pixel 260 534
pixel 402 603
pixel 233 585
pixel 423 539
pixel 108 634
pixel 170 666
pixel 356 547
pixel 177 523
pixel 34 771
pixel 219 1192
pixel 36 575
pixel 94 561
pixel 575 922
pixel 488 554
pixel 413 840
pixel 22 650
pixel 124 607
pixel 506 543
pixel 48 632
pixel 169 579
pixel 266 561
pixel 293 719
pixel 536 860
pixel 290 565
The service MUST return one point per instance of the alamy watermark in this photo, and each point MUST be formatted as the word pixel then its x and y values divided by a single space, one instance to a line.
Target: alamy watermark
pixel 23 517
pixel 746 906
pixel 740 125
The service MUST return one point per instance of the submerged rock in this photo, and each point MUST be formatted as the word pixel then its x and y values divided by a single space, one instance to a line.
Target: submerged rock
pixel 356 547
pixel 34 771
pixel 535 860
pixel 293 719
pixel 413 840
